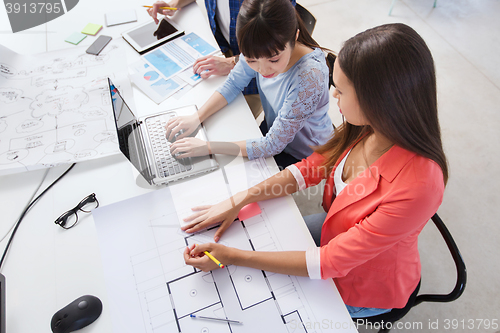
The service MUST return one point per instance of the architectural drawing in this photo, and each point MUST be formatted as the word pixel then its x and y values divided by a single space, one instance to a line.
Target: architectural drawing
pixel 55 107
pixel 152 290
pixel 170 291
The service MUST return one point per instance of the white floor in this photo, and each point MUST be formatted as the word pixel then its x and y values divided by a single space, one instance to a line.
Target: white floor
pixel 464 37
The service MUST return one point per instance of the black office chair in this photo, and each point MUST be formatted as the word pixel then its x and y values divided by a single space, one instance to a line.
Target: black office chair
pixel 310 22
pixel 385 321
pixel 330 60
pixel 307 17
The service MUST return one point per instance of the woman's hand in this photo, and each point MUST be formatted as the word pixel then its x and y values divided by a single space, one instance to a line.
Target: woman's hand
pixel 153 12
pixel 195 256
pixel 182 126
pixel 283 262
pixel 189 147
pixel 224 212
pixel 211 65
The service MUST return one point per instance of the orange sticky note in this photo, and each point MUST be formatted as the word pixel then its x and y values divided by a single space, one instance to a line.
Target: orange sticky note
pixel 249 211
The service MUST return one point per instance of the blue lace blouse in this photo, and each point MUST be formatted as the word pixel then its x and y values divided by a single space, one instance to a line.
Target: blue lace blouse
pixel 295 105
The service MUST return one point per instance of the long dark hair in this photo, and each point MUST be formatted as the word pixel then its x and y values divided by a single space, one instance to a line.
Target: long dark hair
pixel 265 27
pixel 393 74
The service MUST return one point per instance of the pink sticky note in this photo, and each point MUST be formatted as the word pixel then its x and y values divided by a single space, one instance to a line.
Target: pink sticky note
pixel 249 211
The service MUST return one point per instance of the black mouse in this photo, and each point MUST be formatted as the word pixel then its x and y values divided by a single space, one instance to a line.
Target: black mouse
pixel 81 312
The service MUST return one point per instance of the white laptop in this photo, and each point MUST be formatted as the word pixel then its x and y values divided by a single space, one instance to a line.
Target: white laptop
pixel 143 142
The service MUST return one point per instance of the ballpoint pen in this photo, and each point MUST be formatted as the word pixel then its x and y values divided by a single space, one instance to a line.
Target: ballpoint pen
pixel 218 319
pixel 169 8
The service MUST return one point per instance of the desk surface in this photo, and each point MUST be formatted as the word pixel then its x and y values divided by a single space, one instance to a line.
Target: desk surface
pixel 47 266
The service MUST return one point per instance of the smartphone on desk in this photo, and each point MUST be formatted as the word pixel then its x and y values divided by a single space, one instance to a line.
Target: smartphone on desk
pixel 98 45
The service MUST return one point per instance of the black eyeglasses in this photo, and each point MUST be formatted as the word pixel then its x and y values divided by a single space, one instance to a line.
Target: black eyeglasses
pixel 69 219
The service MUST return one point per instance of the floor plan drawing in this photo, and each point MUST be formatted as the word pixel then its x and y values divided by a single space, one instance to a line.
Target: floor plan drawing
pixel 235 292
pixel 152 290
pixel 55 107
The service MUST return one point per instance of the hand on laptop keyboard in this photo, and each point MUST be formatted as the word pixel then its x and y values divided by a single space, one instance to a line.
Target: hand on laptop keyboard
pixel 177 135
pixel 189 147
pixel 186 124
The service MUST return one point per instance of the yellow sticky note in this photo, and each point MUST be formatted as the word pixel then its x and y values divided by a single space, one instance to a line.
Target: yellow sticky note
pixel 91 29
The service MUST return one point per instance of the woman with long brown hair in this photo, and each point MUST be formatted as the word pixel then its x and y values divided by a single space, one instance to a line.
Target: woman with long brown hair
pixel 292 77
pixel 385 173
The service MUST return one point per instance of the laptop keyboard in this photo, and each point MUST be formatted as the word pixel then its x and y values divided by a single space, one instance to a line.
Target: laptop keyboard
pixel 167 164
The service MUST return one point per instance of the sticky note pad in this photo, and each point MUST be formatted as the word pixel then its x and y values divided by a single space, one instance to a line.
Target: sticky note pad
pixel 249 211
pixel 91 29
pixel 75 38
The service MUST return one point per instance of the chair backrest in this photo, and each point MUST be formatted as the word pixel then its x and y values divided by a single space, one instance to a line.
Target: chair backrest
pixel 310 22
pixel 330 60
pixel 459 264
pixel 396 314
pixel 307 17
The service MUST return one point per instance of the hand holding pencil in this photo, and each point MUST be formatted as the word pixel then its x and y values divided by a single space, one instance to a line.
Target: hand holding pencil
pixel 160 7
pixel 169 8
pixel 204 256
pixel 213 259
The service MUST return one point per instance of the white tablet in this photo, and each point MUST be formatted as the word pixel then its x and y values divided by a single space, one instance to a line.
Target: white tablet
pixel 150 35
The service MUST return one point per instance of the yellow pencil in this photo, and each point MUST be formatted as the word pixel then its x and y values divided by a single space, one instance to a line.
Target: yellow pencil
pixel 169 8
pixel 213 259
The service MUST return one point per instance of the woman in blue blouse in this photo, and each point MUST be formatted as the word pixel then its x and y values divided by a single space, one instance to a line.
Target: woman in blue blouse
pixel 292 77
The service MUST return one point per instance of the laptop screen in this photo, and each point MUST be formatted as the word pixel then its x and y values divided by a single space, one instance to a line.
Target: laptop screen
pixel 129 135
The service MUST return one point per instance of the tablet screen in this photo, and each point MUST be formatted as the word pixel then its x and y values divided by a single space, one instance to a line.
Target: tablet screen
pixel 150 33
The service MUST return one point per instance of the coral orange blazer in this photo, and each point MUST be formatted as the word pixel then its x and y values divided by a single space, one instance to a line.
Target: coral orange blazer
pixel 369 238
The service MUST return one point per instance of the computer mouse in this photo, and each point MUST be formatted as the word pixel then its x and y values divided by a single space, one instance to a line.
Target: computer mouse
pixel 81 312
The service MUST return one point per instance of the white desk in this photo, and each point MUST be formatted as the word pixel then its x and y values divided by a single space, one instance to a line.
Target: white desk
pixel 47 266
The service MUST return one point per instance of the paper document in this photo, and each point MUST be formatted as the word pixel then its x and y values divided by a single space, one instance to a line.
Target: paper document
pixel 120 17
pixel 151 290
pixel 168 68
pixel 217 186
pixel 242 176
pixel 208 189
pixel 179 54
pixel 55 107
pixel 190 77
pixel 153 85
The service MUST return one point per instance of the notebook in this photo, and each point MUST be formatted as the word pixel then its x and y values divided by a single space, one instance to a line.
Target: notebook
pixel 120 17
pixel 143 142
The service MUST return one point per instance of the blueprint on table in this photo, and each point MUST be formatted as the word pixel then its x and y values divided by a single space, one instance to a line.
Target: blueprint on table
pixel 55 107
pixel 151 290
